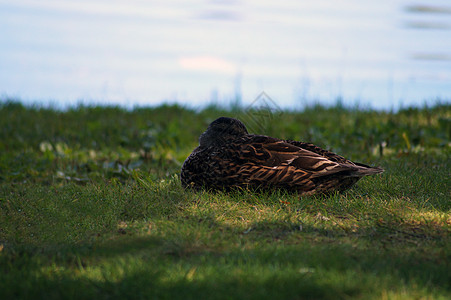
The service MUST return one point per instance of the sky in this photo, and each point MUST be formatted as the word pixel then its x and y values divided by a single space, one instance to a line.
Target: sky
pixel 384 54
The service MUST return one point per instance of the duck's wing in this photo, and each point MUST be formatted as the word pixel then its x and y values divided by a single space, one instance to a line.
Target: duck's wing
pixel 266 161
pixel 323 152
pixel 271 152
pixel 269 161
pixel 368 170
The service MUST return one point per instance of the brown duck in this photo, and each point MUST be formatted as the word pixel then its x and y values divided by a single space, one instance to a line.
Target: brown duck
pixel 228 156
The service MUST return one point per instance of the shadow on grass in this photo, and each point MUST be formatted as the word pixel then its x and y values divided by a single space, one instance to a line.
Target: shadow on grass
pixel 293 266
pixel 194 255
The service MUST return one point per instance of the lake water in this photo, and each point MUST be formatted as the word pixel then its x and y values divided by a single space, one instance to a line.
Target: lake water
pixel 385 54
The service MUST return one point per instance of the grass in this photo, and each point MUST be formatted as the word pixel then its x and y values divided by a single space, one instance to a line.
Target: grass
pixel 91 207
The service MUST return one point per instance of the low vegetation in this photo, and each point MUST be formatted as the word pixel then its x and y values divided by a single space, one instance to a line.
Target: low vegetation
pixel 91 207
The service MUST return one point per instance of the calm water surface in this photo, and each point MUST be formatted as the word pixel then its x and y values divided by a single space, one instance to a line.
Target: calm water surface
pixel 386 54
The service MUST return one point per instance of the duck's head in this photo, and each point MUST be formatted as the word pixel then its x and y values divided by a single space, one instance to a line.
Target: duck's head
pixel 221 131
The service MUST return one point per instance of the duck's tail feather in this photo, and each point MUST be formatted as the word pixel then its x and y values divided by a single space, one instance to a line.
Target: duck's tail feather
pixel 364 170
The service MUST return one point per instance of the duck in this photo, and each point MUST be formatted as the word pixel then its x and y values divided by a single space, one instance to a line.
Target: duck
pixel 229 157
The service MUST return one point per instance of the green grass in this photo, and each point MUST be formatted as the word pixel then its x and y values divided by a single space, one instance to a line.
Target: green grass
pixel 91 207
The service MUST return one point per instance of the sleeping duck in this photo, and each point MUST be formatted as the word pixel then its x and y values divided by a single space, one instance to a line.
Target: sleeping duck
pixel 228 156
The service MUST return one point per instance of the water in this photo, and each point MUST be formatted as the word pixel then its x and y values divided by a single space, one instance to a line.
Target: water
pixel 385 54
